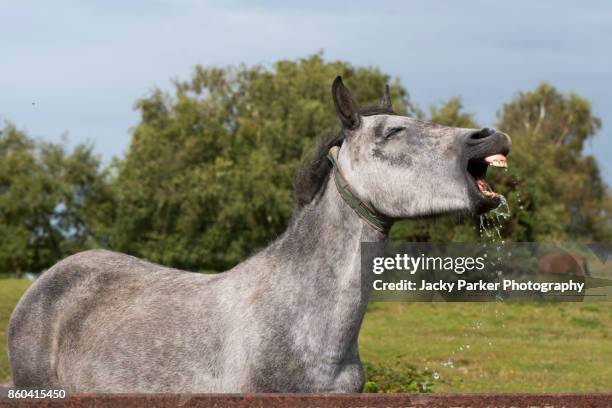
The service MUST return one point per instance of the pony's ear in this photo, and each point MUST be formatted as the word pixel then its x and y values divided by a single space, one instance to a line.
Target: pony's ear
pixel 385 102
pixel 346 108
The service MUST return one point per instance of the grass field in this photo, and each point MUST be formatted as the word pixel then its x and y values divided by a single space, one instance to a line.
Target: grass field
pixel 493 347
pixel 464 347
pixel 10 292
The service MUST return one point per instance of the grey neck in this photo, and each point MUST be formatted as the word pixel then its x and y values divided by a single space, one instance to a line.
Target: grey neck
pixel 326 235
pixel 319 262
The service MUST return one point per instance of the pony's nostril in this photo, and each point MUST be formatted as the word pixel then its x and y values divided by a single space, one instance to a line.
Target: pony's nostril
pixel 482 133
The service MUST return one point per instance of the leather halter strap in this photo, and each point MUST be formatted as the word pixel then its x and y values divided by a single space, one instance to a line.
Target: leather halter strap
pixel 372 217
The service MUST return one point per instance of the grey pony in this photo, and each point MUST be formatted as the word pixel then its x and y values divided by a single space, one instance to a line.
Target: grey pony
pixel 286 319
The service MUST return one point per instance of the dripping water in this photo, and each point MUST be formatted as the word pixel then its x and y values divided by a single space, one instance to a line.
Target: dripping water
pixel 491 223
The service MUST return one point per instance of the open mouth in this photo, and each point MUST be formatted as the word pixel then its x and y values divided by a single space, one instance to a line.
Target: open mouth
pixel 477 169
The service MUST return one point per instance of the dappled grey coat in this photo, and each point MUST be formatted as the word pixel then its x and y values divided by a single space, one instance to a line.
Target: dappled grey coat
pixel 285 320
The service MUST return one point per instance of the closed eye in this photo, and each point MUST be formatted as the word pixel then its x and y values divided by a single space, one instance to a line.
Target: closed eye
pixel 394 131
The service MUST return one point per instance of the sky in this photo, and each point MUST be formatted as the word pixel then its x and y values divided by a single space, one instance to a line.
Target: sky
pixel 74 69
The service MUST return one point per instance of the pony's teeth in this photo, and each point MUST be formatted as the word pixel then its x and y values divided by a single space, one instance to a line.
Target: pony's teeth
pixel 490 194
pixel 496 160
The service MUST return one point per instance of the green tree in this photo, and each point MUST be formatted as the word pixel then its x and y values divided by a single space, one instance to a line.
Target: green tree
pixel 554 191
pixel 556 188
pixel 208 176
pixel 49 200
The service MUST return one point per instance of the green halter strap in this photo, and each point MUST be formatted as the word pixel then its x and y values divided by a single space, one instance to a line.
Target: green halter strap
pixel 367 213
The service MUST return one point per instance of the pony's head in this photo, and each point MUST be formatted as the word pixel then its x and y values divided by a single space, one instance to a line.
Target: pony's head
pixel 407 168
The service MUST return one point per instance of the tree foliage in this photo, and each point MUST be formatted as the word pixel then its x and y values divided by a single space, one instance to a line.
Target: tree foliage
pixel 558 188
pixel 49 201
pixel 554 191
pixel 208 176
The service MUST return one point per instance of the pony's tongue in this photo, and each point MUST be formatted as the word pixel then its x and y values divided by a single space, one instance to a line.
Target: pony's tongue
pixel 496 160
pixel 485 188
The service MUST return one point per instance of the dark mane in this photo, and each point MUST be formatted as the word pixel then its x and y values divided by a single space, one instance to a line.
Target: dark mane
pixel 314 170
